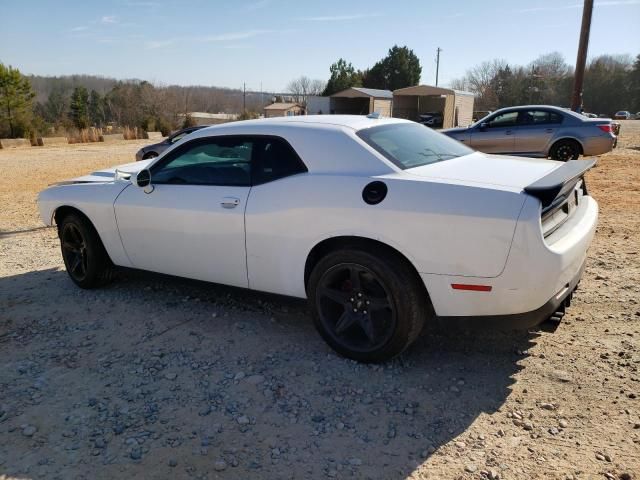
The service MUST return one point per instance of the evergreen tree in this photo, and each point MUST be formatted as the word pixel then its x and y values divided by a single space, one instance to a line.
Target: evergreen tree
pixel 96 109
pixel 16 96
pixel 80 107
pixel 343 76
pixel 400 68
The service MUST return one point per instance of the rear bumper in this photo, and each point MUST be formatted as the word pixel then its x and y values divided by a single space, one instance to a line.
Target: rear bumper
pixel 538 276
pixel 598 145
pixel 554 307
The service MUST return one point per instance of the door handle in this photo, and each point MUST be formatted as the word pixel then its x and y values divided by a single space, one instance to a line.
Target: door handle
pixel 508 132
pixel 230 202
pixel 549 130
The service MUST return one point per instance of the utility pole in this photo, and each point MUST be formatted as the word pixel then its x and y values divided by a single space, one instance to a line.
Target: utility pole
pixel 437 63
pixel 244 97
pixel 581 60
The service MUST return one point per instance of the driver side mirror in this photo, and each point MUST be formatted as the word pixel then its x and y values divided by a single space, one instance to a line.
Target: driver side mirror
pixel 142 179
pixel 483 126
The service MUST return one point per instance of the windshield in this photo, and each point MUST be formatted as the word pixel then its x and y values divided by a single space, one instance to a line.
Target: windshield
pixel 410 145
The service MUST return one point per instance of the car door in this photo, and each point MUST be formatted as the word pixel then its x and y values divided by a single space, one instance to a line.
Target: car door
pixel 496 134
pixel 535 130
pixel 191 223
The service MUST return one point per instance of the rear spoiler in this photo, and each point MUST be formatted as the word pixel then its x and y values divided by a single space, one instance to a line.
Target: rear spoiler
pixel 559 182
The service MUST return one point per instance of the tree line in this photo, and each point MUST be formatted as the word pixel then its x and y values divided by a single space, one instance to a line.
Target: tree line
pixel 39 105
pixel 611 83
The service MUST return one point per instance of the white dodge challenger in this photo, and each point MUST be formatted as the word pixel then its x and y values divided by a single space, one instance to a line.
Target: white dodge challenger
pixel 382 224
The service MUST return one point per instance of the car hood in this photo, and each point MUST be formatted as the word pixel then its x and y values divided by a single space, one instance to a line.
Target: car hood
pixel 108 174
pixel 500 171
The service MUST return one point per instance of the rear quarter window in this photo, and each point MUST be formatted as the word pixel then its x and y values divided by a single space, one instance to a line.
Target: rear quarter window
pixel 410 145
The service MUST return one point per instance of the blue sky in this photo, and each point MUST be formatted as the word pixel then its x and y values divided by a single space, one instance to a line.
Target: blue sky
pixel 269 42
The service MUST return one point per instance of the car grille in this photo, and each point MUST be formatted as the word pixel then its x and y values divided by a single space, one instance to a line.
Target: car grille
pixel 554 216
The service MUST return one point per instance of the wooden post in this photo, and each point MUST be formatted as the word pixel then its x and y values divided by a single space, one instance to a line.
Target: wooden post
pixel 576 99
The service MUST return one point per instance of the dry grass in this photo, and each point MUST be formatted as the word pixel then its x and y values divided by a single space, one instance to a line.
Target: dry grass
pixel 25 172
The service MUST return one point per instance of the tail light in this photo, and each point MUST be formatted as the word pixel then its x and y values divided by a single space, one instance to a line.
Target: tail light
pixel 606 128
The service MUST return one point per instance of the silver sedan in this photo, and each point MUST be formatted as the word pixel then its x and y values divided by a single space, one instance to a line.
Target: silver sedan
pixel 538 131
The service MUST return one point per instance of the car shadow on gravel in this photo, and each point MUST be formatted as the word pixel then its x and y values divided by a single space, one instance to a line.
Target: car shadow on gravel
pixel 191 379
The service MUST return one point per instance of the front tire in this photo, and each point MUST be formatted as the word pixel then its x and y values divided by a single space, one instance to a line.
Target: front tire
pixel 149 155
pixel 565 150
pixel 87 262
pixel 367 306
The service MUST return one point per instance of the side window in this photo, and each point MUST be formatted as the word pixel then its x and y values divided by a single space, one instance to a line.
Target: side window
pixel 207 161
pixel 539 117
pixel 273 159
pixel 507 119
pixel 555 117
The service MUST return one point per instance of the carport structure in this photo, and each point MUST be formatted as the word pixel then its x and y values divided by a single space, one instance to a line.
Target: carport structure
pixel 456 106
pixel 362 101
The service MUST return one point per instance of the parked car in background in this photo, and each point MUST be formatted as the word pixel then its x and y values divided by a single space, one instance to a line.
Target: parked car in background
pixel 431 119
pixel 382 224
pixel 538 131
pixel 622 115
pixel 589 115
pixel 152 151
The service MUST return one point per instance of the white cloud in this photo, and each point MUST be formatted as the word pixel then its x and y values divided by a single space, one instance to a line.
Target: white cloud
pixel 226 37
pixel 153 44
pixel 341 18
pixel 79 29
pixel 256 5
pixel 219 38
pixel 109 19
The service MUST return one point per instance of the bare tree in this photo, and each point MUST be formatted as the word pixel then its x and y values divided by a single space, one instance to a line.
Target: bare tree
pixel 459 84
pixel 317 87
pixel 551 65
pixel 480 80
pixel 303 87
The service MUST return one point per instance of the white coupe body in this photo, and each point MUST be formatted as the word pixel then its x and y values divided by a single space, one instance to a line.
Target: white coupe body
pixel 464 221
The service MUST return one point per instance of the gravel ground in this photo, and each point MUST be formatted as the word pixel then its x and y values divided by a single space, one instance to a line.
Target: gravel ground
pixel 157 377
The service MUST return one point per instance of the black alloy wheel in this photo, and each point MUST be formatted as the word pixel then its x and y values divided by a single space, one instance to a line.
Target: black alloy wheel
pixel 565 150
pixel 368 305
pixel 84 255
pixel 74 252
pixel 355 307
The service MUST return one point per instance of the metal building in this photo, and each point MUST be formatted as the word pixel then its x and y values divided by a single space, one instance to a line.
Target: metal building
pixel 362 101
pixel 455 106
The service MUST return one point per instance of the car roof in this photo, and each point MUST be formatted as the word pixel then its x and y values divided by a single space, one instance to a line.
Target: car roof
pixel 355 122
pixel 322 141
pixel 533 107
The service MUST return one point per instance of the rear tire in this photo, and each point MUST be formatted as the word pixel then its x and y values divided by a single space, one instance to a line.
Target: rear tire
pixel 368 306
pixel 85 258
pixel 565 150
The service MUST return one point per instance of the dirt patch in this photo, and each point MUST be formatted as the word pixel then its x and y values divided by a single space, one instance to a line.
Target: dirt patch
pixel 159 377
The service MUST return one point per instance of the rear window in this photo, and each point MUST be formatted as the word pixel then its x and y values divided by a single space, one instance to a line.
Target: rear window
pixel 410 145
